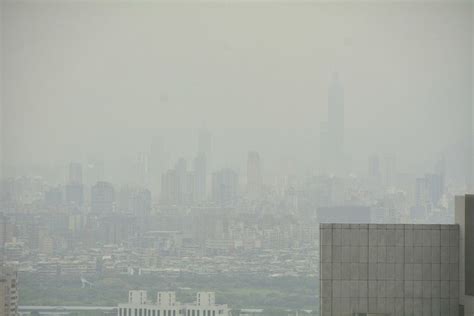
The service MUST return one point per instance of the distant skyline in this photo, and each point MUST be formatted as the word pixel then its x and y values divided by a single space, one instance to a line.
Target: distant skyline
pixel 101 80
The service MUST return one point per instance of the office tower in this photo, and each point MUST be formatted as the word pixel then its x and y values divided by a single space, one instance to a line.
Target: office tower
pixel 374 269
pixel 204 143
pixel 74 194
pixel 389 169
pixel 200 177
pixel 74 189
pixel 94 171
pixel 254 175
pixel 8 291
pixel 157 164
pixel 102 197
pixel 464 216
pixel 332 131
pixel 170 188
pixel 116 228
pixel 141 207
pixel 176 185
pixel 428 192
pixel 53 198
pixel 225 186
pixel 374 167
pixel 75 173
pixel 141 169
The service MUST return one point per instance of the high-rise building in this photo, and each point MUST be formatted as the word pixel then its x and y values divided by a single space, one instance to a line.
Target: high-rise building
pixel 332 131
pixel 53 197
pixel 177 185
pixel 94 171
pixel 74 194
pixel 8 291
pixel 74 189
pixel 75 173
pixel 254 175
pixel 200 177
pixel 464 216
pixel 204 142
pixel 142 169
pixel 102 197
pixel 225 186
pixel 375 269
pixel 374 167
pixel 157 164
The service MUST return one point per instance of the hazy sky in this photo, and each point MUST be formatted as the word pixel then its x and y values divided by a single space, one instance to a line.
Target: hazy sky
pixel 95 78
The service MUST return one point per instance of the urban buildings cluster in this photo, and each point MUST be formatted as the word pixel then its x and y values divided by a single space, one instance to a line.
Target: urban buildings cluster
pixel 190 218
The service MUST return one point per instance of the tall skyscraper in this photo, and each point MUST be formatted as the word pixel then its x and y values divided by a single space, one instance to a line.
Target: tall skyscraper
pixel 332 131
pixel 204 141
pixel 225 186
pixel 157 164
pixel 102 197
pixel 142 169
pixel 374 167
pixel 254 175
pixel 74 189
pixel 75 173
pixel 177 185
pixel 200 177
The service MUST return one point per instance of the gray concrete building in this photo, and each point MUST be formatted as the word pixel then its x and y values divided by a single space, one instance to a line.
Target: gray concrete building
pixel 373 269
pixel 464 216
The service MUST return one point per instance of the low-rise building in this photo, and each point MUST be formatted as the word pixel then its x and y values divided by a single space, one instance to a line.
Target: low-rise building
pixel 166 305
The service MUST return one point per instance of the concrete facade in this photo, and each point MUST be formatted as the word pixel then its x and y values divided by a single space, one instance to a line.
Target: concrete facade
pixel 389 269
pixel 467 301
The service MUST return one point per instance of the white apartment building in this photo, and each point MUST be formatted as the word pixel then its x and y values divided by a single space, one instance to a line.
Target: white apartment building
pixel 166 305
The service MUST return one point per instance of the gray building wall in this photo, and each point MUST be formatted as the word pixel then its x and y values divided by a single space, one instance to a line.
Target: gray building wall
pixel 389 269
pixel 461 208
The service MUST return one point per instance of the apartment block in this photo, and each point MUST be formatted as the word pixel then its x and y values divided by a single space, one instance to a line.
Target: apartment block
pixel 166 305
